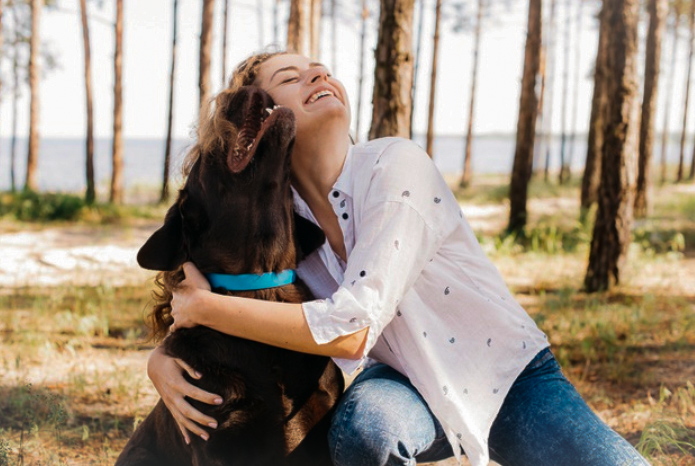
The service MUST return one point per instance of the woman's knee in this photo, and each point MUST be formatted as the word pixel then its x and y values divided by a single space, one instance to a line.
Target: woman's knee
pixel 379 421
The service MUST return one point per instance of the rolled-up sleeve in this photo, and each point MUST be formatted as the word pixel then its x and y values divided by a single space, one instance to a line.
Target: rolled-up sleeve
pixel 407 213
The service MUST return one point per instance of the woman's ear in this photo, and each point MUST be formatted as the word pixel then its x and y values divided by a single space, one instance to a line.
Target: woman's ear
pixel 308 236
pixel 164 249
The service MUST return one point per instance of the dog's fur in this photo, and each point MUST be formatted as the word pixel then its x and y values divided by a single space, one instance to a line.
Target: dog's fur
pixel 235 216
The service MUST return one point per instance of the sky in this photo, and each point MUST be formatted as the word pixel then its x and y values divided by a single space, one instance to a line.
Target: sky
pixel 147 55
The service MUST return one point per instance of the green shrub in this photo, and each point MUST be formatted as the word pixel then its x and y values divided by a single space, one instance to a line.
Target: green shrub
pixel 33 206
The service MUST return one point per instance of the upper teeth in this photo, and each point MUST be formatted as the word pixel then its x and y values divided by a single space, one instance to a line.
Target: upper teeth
pixel 316 96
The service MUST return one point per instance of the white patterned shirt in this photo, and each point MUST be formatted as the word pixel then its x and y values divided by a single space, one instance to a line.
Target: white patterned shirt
pixel 437 309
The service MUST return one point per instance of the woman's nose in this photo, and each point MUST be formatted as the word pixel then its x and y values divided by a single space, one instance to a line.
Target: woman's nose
pixel 317 74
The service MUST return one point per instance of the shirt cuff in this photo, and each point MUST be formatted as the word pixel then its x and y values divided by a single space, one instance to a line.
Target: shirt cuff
pixel 326 327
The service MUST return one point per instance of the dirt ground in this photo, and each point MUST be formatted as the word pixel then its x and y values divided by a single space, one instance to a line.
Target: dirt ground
pixel 77 255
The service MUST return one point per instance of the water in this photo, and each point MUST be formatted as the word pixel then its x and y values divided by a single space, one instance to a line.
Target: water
pixel 62 161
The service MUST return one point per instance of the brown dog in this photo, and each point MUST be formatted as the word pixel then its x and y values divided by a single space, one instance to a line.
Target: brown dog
pixel 235 216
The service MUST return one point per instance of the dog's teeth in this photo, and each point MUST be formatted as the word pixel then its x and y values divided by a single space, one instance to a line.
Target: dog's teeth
pixel 269 110
pixel 277 106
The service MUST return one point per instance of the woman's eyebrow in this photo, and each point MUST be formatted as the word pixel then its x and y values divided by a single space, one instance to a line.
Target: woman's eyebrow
pixel 294 68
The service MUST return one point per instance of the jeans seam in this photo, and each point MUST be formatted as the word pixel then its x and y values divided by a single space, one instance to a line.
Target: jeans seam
pixel 349 408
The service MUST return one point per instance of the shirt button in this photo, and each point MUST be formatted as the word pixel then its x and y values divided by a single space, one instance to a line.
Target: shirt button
pixel 336 194
pixel 345 216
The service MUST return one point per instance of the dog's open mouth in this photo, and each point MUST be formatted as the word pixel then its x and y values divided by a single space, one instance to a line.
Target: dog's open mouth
pixel 258 119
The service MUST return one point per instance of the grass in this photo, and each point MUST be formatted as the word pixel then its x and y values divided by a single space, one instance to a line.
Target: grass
pixel 72 357
pixel 29 206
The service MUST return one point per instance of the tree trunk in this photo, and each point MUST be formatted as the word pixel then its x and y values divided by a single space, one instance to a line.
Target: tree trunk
pixel 276 26
pixel 592 167
pixel 421 15
pixel 315 29
pixel 611 236
pixel 206 27
pixel 116 196
pixel 433 79
pixel 393 71
pixel 363 35
pixel 259 18
pixel 31 182
pixel 665 136
pixel 15 100
pixel 681 158
pixel 657 14
pixel 334 39
pixel 540 123
pixel 164 196
pixel 297 26
pixel 225 28
pixel 575 98
pixel 89 194
pixel 565 94
pixel 467 172
pixel 550 76
pixel 528 111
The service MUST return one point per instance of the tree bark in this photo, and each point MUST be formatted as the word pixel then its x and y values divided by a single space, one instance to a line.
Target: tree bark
pixel 657 14
pixel 418 40
pixel 665 136
pixel 334 38
pixel 225 28
pixel 315 30
pixel 528 111
pixel 611 235
pixel 164 196
pixel 575 98
pixel 565 94
pixel 467 171
pixel 681 157
pixel 363 35
pixel 259 18
pixel 550 76
pixel 433 79
pixel 31 180
pixel 592 167
pixel 393 73
pixel 116 195
pixel 206 27
pixel 15 100
pixel 90 193
pixel 297 26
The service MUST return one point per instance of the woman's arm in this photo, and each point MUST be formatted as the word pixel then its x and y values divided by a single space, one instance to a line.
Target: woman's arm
pixel 272 323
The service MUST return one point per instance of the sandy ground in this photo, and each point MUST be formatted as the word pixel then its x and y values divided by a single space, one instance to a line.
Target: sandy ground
pixel 90 255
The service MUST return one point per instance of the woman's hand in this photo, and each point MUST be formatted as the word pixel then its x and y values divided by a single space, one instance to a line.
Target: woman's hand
pixel 185 304
pixel 166 374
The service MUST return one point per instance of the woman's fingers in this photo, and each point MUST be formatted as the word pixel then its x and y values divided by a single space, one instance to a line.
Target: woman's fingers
pixel 192 372
pixel 194 277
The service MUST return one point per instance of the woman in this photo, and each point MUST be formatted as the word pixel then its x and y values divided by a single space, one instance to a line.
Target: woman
pixel 454 363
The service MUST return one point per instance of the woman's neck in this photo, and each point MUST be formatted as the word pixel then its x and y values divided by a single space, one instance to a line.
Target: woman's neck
pixel 316 165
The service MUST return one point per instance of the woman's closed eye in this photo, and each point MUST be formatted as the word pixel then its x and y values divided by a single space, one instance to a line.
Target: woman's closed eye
pixel 294 78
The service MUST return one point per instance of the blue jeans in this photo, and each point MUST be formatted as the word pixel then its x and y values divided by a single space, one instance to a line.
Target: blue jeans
pixel 383 420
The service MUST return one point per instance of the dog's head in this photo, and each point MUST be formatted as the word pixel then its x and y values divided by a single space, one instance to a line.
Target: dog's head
pixel 234 213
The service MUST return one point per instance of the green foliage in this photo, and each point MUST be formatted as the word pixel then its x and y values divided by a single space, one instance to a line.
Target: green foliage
pixel 32 206
pixel 543 238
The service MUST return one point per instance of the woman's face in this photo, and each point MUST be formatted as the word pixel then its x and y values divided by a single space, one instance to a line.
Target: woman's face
pixel 308 89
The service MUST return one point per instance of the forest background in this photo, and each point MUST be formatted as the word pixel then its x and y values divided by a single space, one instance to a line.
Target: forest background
pixel 520 102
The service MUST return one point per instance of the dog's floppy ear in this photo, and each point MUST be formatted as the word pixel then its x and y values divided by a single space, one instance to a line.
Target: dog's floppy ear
pixel 164 249
pixel 308 236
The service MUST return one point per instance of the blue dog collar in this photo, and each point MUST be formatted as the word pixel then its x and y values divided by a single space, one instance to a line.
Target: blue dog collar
pixel 251 281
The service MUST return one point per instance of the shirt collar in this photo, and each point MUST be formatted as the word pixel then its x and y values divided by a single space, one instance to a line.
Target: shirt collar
pixel 343 184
